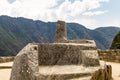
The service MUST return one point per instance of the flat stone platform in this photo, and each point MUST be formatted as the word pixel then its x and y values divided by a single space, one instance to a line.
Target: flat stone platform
pixel 66 72
pixel 66 69
pixel 77 44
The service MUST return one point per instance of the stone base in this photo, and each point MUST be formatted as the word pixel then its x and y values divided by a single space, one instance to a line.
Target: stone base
pixel 73 72
pixel 26 66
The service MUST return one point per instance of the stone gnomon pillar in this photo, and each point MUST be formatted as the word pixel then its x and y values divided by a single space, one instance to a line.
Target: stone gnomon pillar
pixel 61 34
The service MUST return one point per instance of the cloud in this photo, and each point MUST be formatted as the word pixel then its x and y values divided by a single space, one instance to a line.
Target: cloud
pixel 90 13
pixel 4 7
pixel 110 22
pixel 52 10
pixel 89 23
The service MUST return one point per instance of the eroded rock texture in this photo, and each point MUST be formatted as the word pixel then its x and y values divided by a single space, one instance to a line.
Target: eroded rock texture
pixel 67 54
pixel 25 65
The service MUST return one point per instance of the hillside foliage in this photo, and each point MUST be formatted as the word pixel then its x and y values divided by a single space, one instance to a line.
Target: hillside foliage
pixel 15 33
pixel 116 42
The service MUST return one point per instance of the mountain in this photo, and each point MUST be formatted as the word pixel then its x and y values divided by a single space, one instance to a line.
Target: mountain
pixel 107 35
pixel 116 42
pixel 15 33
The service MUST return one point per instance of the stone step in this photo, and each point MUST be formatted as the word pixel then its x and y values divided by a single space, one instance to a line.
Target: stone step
pixel 65 77
pixel 82 78
pixel 81 41
pixel 66 72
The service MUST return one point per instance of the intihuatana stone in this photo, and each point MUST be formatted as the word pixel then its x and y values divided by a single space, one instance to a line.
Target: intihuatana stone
pixel 62 60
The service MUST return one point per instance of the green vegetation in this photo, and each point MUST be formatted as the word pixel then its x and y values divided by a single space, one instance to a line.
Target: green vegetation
pixel 15 33
pixel 116 42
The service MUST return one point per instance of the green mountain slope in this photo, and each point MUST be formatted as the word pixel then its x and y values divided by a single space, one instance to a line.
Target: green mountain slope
pixel 116 42
pixel 15 33
pixel 107 34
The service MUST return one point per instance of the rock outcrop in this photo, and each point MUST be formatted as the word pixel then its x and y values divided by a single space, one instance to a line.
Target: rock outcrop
pixel 62 60
pixel 25 65
pixel 103 74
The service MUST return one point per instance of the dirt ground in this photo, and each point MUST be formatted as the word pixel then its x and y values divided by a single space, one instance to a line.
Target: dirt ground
pixel 5 73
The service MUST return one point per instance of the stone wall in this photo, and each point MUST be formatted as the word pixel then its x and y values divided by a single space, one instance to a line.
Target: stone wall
pixel 109 55
pixel 6 59
pixel 67 54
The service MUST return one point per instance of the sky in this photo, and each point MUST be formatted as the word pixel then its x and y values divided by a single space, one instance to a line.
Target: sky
pixel 90 13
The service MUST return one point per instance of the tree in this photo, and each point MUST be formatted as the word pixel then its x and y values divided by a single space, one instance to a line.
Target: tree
pixel 116 42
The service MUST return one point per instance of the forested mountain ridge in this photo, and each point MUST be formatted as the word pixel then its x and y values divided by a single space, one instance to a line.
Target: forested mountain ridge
pixel 116 42
pixel 15 33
